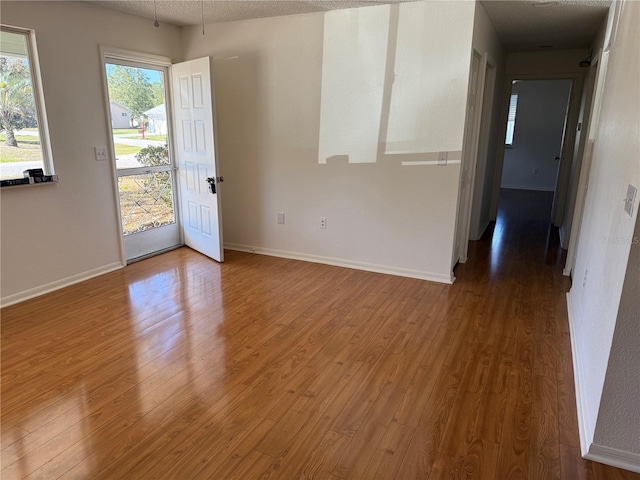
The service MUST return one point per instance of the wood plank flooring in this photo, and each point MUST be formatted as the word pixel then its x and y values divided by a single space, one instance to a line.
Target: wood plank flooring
pixel 180 368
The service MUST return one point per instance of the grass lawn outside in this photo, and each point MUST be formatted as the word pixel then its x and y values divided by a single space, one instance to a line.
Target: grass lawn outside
pixel 159 138
pixel 125 131
pixel 27 153
pixel 28 149
pixel 129 132
pixel 126 149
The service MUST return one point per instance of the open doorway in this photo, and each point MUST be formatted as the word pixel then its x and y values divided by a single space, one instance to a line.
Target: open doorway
pixel 144 166
pixel 536 144
pixel 166 179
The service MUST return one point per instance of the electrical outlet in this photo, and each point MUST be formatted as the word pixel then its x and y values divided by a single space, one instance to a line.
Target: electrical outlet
pixel 442 158
pixel 584 281
pixel 536 171
pixel 323 222
pixel 630 199
pixel 281 218
pixel 101 153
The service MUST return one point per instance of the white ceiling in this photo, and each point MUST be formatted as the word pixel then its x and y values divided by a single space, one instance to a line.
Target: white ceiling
pixel 190 12
pixel 521 24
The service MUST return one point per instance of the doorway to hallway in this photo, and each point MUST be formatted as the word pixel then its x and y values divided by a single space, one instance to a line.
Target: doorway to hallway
pixel 536 141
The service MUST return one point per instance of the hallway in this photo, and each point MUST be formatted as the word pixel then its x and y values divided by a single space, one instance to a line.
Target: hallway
pixel 180 368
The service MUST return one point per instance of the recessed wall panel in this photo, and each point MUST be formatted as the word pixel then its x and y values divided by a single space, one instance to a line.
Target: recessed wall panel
pixel 201 145
pixel 203 186
pixel 205 219
pixel 193 216
pixel 190 168
pixel 198 93
pixel 187 135
pixel 184 91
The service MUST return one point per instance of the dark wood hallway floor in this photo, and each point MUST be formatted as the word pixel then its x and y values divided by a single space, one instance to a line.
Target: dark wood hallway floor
pixel 180 368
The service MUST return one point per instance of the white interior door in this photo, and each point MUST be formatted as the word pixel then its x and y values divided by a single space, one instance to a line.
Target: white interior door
pixel 469 157
pixel 195 149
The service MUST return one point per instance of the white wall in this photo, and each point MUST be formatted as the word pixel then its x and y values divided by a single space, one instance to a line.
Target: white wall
pixel 605 242
pixel 618 424
pixel 278 88
pixel 56 234
pixel 485 40
pixel 540 117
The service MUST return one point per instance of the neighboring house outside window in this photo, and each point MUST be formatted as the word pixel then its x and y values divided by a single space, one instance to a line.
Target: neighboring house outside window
pixel 511 119
pixel 24 136
pixel 120 115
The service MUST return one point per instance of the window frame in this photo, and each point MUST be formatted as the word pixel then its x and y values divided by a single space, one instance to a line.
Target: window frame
pixel 38 94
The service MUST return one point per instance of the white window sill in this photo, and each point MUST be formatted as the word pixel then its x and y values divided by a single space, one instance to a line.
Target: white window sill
pixel 54 180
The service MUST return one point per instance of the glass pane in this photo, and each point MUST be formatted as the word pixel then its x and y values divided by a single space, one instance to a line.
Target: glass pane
pixel 146 201
pixel 138 116
pixel 20 147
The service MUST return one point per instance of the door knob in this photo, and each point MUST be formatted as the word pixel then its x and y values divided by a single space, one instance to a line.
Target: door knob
pixel 212 184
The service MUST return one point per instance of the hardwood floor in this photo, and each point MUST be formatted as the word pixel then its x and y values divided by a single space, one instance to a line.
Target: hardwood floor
pixel 179 368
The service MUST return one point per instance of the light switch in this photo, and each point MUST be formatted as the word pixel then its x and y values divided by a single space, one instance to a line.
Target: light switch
pixel 101 153
pixel 629 201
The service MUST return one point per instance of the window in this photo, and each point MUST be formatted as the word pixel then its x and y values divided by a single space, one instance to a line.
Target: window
pixel 511 118
pixel 24 139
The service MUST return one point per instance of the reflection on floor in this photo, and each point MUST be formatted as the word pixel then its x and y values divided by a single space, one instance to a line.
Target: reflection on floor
pixel 180 368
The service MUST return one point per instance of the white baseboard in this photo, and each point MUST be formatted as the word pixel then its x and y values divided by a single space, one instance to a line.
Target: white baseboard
pixel 338 262
pixel 589 450
pixel 614 457
pixel 58 284
pixel 585 429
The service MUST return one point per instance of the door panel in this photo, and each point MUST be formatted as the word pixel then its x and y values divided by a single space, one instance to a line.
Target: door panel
pixel 196 157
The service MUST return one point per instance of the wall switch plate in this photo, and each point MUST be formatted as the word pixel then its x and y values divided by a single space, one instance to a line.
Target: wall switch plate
pixel 630 200
pixel 323 222
pixel 101 153
pixel 281 218
pixel 442 158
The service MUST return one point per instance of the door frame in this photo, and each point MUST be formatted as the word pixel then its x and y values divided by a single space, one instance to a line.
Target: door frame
pixel 470 149
pixel 571 123
pixel 153 61
pixel 599 62
pixel 476 230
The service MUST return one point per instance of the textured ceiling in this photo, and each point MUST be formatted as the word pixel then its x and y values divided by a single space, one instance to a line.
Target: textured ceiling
pixel 521 24
pixel 562 24
pixel 190 12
